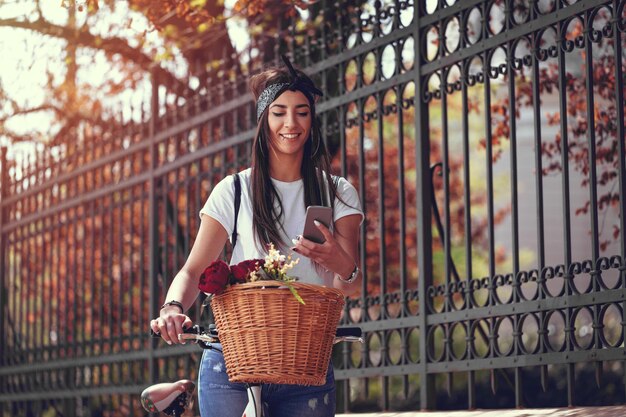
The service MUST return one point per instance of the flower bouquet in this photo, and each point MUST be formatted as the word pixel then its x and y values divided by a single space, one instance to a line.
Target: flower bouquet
pixel 272 328
pixel 218 276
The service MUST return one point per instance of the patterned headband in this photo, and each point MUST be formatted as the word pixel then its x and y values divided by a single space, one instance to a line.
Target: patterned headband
pixel 272 91
pixel 268 96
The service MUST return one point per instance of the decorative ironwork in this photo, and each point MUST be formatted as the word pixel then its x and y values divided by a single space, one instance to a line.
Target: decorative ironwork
pixel 406 87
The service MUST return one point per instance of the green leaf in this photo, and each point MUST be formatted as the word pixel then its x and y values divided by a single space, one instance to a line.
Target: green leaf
pixel 198 4
pixel 295 293
pixel 264 274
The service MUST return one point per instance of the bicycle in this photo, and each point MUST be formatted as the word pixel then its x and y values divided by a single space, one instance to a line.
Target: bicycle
pixel 174 398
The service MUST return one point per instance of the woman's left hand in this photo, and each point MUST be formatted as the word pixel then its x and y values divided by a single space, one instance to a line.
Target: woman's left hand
pixel 330 254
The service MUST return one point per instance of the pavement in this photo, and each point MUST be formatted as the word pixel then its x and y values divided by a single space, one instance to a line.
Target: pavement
pixel 608 411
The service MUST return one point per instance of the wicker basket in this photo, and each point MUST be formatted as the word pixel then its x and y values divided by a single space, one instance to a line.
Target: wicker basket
pixel 267 336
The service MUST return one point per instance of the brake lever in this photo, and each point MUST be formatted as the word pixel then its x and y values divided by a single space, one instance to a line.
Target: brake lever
pixel 348 339
pixel 349 334
pixel 196 337
pixel 196 334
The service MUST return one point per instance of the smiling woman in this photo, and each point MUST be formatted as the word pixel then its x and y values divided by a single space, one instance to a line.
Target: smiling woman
pixel 290 171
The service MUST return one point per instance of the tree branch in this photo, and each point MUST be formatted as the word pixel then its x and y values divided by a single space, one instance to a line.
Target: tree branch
pixel 43 107
pixel 84 38
pixel 15 138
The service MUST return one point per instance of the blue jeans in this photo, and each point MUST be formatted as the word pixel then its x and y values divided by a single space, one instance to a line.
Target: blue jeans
pixel 219 397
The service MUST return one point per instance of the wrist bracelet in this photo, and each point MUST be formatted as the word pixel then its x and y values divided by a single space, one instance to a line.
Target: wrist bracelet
pixel 174 303
pixel 352 277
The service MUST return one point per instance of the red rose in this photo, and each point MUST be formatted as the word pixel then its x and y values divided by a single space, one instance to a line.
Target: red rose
pixel 242 270
pixel 214 278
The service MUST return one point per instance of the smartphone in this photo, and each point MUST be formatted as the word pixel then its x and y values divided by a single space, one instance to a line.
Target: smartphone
pixel 323 215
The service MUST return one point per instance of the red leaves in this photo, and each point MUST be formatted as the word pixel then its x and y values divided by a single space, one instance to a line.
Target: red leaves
pixel 553 118
pixel 610 199
pixel 583 210
pixel 606 177
pixel 193 13
pixel 473 105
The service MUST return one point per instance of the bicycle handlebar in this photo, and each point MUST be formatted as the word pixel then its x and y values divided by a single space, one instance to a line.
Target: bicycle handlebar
pixel 205 337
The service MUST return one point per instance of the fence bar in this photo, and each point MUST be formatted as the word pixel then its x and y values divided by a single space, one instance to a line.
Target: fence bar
pixel 489 172
pixel 447 235
pixel 471 392
pixel 91 336
pixel 46 311
pixel 382 233
pixel 620 137
pixel 538 155
pixel 4 292
pixel 424 219
pixel 153 231
pixel 621 150
pixel 591 138
pixel 567 254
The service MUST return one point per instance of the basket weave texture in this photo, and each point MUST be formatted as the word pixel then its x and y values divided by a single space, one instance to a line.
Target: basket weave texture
pixel 267 336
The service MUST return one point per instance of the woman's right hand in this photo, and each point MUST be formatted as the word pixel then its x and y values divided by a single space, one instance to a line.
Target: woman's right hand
pixel 170 324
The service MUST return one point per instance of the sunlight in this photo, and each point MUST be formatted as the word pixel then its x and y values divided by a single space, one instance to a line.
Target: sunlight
pixel 37 60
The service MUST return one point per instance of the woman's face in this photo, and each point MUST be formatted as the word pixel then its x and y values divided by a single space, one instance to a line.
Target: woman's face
pixel 289 119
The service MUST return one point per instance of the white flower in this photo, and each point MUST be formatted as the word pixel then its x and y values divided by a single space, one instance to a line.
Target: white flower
pixel 273 255
pixel 276 264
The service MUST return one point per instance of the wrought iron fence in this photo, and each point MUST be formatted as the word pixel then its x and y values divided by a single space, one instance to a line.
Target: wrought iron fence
pixel 471 116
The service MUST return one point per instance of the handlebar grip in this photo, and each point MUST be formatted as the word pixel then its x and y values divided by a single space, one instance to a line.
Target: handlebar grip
pixel 195 329
pixel 349 331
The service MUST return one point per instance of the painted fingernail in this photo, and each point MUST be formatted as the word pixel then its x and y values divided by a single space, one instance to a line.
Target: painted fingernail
pixel 315 222
pixel 295 241
pixel 169 343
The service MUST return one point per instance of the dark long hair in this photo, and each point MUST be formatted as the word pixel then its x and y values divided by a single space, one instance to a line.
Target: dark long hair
pixel 319 187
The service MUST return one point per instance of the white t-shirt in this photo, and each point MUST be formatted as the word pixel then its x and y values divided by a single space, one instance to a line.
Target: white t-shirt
pixel 221 206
